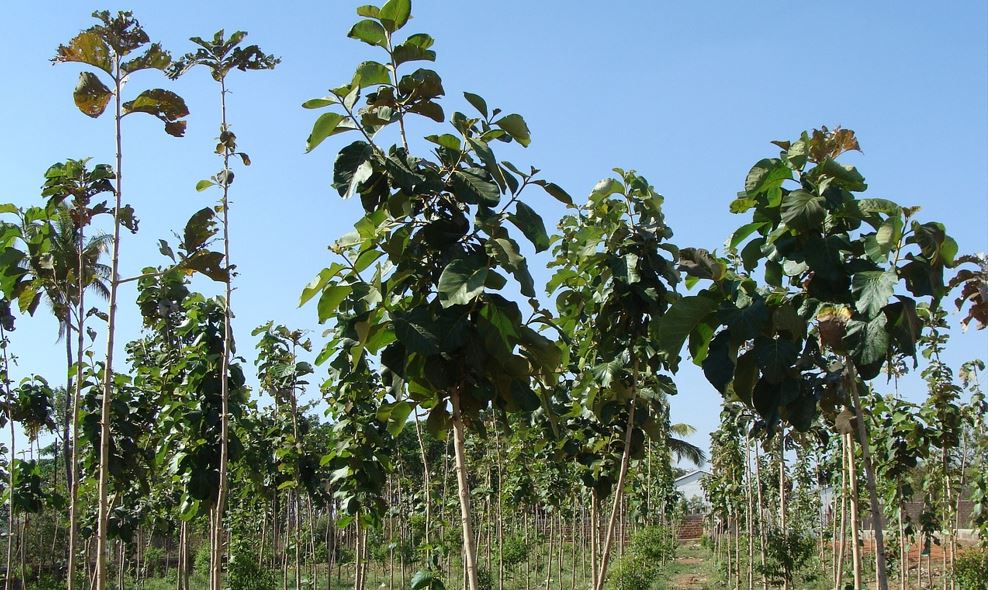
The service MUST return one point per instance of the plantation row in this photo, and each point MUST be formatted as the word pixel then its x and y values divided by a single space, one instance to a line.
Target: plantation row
pixel 476 437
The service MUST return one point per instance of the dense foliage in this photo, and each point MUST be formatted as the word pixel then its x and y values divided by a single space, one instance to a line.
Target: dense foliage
pixel 441 369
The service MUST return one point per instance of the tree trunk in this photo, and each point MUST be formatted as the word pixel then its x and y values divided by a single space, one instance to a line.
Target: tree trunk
pixel 749 497
pixel 427 498
pixel 855 511
pixel 216 573
pixel 111 325
pixel 782 493
pixel 594 509
pixel 881 577
pixel 761 519
pixel 10 464
pixel 840 541
pixel 618 493
pixel 463 487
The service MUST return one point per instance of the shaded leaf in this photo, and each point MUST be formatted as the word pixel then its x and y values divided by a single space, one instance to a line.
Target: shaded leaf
pixel 91 95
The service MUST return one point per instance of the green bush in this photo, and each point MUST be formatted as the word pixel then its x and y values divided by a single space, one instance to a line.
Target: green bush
pixel 244 573
pixel 632 572
pixel 514 551
pixel 154 557
pixel 971 569
pixel 485 580
pixel 654 543
pixel 201 561
pixel 787 556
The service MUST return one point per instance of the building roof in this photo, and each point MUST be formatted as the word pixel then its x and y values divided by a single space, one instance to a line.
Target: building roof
pixel 690 477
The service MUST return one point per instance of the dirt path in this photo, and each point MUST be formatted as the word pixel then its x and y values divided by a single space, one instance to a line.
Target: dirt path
pixel 689 579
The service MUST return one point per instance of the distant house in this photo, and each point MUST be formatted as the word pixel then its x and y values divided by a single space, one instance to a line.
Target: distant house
pixel 689 486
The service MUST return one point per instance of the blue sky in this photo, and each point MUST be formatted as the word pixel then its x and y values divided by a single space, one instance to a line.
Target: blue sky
pixel 689 94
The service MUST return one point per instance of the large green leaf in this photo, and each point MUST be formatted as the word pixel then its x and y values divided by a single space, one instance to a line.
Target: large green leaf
pixel 845 175
pixel 371 73
pixel 871 291
pixel 91 95
pixel 530 224
pixel 207 263
pixel 87 47
pixel 462 281
pixel 677 323
pixel 352 167
pixel 802 210
pixel 332 297
pixel 369 31
pixel 415 335
pixel 775 357
pixel 508 255
pixel 394 14
pixel 556 192
pixel 326 125
pixel 766 175
pixel 154 58
pixel 869 340
pixel 718 365
pixel 163 104
pixel 516 127
pixel 415 48
pixel 200 228
pixel 316 285
pixel 471 186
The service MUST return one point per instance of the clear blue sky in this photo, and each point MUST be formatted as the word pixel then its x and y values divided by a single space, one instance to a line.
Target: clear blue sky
pixel 689 94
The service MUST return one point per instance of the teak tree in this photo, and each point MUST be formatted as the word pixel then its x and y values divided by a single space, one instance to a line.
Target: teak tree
pixel 842 276
pixel 71 184
pixel 616 280
pixel 105 46
pixel 418 282
pixel 283 376
pixel 220 56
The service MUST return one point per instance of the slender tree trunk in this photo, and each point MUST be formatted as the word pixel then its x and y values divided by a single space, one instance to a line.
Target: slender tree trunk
pixel 463 487
pixel 216 573
pixel 618 493
pixel 427 499
pixel 528 558
pixel 840 542
pixel 881 577
pixel 111 325
pixel 500 509
pixel 903 551
pixel 10 464
pixel 548 557
pixel 330 549
pixel 594 509
pixel 947 521
pixel 67 410
pixel 782 493
pixel 761 519
pixel 749 497
pixel 358 560
pixel 855 511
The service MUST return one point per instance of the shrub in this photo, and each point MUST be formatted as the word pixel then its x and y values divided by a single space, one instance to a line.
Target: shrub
pixel 154 558
pixel 485 580
pixel 631 572
pixel 244 573
pixel 654 543
pixel 787 556
pixel 515 551
pixel 201 561
pixel 971 569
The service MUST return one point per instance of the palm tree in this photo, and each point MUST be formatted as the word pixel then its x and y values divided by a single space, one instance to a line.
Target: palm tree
pixel 682 449
pixel 56 276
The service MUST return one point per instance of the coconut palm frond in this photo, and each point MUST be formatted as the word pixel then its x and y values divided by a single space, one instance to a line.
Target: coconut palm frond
pixel 683 450
pixel 682 429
